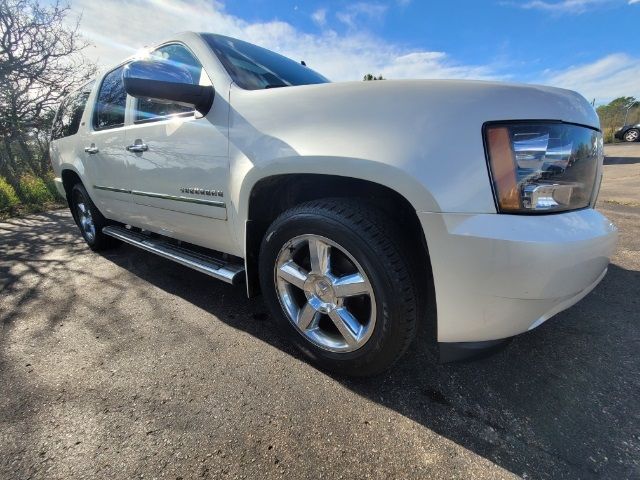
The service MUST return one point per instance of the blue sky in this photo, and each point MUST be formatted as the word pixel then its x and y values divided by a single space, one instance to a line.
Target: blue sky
pixel 588 45
pixel 519 36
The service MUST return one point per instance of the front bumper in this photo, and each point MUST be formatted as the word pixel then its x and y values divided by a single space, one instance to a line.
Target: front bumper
pixel 499 275
pixel 619 134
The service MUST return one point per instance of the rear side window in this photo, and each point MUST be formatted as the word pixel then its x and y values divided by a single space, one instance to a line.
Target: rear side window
pixel 176 54
pixel 67 120
pixel 111 102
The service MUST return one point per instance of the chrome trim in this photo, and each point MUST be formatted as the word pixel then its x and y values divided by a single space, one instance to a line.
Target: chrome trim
pixel 111 189
pixel 213 203
pixel 137 148
pixel 162 196
pixel 85 219
pixel 325 294
pixel 227 272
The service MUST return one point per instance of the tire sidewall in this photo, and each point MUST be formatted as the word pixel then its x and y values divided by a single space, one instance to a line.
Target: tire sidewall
pixel 382 340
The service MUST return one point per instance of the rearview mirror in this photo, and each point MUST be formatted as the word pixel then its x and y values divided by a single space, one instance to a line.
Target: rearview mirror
pixel 166 82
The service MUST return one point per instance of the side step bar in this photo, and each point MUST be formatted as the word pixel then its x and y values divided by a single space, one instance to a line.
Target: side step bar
pixel 214 267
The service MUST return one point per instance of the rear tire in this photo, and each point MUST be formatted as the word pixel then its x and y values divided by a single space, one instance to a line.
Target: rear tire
pixel 378 308
pixel 90 220
pixel 631 135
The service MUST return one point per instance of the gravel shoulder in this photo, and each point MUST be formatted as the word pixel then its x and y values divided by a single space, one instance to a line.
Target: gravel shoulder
pixel 622 174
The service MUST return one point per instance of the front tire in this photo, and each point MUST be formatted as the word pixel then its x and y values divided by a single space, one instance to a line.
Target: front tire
pixel 631 135
pixel 89 220
pixel 337 277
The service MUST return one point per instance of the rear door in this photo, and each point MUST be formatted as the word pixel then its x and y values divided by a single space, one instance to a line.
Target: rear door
pixel 105 156
pixel 66 140
pixel 179 166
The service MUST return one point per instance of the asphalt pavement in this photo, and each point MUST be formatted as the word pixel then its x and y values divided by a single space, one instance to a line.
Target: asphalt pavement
pixel 125 365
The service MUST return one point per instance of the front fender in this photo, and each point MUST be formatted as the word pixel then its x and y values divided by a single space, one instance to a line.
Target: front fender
pixel 358 168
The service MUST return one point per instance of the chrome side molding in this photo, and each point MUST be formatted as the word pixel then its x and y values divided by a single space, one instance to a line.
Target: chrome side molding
pixel 212 203
pixel 163 196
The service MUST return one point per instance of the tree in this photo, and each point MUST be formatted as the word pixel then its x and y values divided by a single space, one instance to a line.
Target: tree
pixel 370 76
pixel 41 61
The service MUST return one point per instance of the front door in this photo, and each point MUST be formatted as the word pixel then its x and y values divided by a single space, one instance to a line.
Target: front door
pixel 104 153
pixel 178 163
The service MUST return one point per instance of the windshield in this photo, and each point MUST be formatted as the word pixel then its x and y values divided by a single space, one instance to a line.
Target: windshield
pixel 254 68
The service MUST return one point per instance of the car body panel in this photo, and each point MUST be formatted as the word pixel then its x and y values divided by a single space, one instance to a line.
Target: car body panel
pixel 495 275
pixel 395 132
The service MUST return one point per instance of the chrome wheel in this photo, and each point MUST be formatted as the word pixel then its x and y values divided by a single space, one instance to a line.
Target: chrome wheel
pixel 85 220
pixel 632 135
pixel 325 293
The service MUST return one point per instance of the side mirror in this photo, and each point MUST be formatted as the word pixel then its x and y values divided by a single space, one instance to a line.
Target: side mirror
pixel 166 82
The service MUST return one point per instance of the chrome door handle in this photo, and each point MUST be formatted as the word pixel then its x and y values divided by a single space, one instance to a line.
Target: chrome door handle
pixel 137 147
pixel 92 149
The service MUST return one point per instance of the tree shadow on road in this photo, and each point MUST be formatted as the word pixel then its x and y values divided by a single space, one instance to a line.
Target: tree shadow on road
pixel 555 400
pixel 559 401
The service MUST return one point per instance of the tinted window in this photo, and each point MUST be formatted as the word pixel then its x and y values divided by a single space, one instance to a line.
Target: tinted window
pixel 67 120
pixel 253 67
pixel 178 55
pixel 111 101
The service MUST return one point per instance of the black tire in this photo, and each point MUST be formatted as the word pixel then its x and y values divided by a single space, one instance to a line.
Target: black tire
pixel 377 245
pixel 96 241
pixel 629 135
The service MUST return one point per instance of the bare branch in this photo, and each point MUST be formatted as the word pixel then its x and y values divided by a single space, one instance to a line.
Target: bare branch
pixel 41 60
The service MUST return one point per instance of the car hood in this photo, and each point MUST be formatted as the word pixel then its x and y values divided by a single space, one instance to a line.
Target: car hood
pixel 416 126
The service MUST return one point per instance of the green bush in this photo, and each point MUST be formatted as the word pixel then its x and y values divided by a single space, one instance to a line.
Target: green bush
pixel 607 135
pixel 8 198
pixel 33 191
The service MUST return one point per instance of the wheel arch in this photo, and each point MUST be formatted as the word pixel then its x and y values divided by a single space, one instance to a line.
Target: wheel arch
pixel 69 178
pixel 272 195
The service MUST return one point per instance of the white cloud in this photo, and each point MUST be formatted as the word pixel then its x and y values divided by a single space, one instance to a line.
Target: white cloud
pixel 348 56
pixel 562 6
pixel 612 76
pixel 631 2
pixel 432 65
pixel 361 10
pixel 320 17
pixel 345 56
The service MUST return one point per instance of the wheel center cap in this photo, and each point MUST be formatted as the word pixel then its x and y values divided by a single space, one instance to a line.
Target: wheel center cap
pixel 320 294
pixel 323 290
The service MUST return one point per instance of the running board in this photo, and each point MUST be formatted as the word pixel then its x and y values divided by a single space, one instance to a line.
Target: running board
pixel 217 268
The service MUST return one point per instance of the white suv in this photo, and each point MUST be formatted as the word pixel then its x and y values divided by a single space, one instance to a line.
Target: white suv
pixel 353 207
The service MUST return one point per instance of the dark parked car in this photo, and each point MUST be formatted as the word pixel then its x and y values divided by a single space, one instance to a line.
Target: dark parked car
pixel 628 133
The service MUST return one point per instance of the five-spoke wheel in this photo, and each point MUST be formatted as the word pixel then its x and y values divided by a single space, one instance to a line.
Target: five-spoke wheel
pixel 632 135
pixel 85 220
pixel 337 276
pixel 325 293
pixel 89 219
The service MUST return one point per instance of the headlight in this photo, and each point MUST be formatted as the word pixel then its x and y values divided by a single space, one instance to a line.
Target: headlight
pixel 542 167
